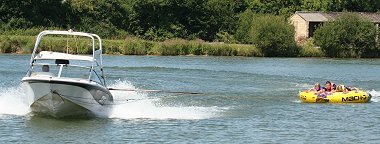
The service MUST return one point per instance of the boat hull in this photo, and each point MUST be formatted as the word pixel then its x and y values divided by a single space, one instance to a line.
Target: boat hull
pixel 336 97
pixel 65 97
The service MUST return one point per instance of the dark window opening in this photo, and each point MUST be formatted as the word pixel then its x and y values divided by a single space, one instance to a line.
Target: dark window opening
pixel 312 27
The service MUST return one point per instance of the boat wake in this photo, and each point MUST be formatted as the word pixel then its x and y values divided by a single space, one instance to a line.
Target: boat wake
pixel 303 85
pixel 375 95
pixel 128 105
pixel 12 101
pixel 141 106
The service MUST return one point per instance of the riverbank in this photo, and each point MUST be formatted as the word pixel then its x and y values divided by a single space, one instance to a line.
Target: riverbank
pixel 135 46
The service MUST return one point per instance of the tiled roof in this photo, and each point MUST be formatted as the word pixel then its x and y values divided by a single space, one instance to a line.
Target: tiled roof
pixel 326 16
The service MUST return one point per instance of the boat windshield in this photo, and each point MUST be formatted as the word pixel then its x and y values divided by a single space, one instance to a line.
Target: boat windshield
pixel 65 69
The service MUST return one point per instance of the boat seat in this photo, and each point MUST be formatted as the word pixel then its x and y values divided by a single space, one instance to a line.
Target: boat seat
pixel 62 61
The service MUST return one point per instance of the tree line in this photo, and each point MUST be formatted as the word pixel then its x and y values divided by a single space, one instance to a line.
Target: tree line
pixel 158 19
pixel 260 22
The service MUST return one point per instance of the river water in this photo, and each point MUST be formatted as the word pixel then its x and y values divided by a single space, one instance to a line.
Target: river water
pixel 244 100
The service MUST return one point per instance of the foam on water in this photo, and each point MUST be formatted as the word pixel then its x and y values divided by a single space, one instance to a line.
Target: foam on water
pixel 303 85
pixel 12 101
pixel 297 101
pixel 128 105
pixel 375 95
pixel 143 107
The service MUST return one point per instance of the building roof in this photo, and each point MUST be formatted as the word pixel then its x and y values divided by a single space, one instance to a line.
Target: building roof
pixel 327 16
pixel 312 17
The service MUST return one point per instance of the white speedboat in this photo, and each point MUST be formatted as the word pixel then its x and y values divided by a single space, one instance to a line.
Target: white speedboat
pixel 61 84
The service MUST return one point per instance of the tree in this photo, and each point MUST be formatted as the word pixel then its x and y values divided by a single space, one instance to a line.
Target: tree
pixel 184 18
pixel 276 7
pixel 316 5
pixel 13 14
pixel 274 36
pixel 359 5
pixel 244 26
pixel 24 14
pixel 104 17
pixel 348 36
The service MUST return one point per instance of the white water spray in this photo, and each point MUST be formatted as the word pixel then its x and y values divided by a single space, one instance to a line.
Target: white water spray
pixel 375 95
pixel 138 106
pixel 143 107
pixel 12 101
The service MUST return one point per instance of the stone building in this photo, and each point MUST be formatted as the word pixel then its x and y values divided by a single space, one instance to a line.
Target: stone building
pixel 305 23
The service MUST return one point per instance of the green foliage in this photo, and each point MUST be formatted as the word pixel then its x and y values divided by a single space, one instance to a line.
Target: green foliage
pixel 277 7
pixel 273 35
pixel 341 5
pixel 17 23
pixel 27 31
pixel 288 7
pixel 34 13
pixel 348 36
pixel 225 37
pixel 5 46
pixel 165 21
pixel 160 20
pixel 104 17
pixel 129 46
pixel 16 44
pixel 316 5
pixel 244 26
pixel 309 49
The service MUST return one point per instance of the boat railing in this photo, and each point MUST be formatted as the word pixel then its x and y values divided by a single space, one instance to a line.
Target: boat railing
pixel 71 65
pixel 96 41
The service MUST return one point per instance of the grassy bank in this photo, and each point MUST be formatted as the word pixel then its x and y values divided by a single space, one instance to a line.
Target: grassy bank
pixel 129 46
pixel 136 46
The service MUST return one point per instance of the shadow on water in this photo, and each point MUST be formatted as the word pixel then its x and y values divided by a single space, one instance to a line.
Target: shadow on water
pixel 46 123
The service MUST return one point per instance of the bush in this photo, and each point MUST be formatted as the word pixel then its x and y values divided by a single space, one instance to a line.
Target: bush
pixel 16 44
pixel 348 36
pixel 225 37
pixel 274 36
pixel 18 23
pixel 5 45
pixel 309 49
pixel 27 31
pixel 244 26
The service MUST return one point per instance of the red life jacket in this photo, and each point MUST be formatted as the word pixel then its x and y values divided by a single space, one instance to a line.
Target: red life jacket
pixel 332 87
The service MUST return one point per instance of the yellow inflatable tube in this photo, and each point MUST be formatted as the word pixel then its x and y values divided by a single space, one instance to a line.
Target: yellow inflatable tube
pixel 336 97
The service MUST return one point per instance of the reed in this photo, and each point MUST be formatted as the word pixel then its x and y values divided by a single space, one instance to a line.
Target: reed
pixel 16 44
pixel 137 46
pixel 309 49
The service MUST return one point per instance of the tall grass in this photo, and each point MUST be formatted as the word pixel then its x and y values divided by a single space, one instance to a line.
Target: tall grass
pixel 16 44
pixel 136 46
pixel 309 49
